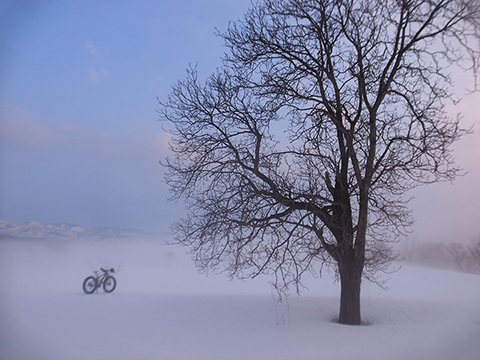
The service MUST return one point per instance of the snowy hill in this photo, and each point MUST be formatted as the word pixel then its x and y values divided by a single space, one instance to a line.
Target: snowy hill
pixel 163 309
pixel 36 231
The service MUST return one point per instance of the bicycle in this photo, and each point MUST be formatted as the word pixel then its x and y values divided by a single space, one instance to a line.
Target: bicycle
pixel 92 283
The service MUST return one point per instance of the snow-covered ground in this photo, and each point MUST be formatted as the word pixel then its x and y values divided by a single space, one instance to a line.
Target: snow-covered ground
pixel 163 309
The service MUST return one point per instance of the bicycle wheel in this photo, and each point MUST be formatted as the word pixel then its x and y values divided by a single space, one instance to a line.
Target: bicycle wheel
pixel 89 285
pixel 109 284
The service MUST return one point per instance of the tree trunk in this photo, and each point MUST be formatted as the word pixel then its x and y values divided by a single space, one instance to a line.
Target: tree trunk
pixel 350 283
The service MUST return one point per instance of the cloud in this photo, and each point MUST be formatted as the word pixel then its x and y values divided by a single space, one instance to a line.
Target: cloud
pixel 138 144
pixel 92 49
pixel 24 132
pixel 95 75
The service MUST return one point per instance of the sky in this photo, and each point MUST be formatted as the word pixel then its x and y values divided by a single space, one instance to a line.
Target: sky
pixel 80 140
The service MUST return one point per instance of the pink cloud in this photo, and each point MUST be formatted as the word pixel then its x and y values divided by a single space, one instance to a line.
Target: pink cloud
pixel 24 132
pixel 138 144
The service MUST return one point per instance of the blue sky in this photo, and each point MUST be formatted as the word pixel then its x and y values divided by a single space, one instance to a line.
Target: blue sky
pixel 79 136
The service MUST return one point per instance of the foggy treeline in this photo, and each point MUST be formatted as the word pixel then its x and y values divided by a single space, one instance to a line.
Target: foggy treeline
pixel 452 256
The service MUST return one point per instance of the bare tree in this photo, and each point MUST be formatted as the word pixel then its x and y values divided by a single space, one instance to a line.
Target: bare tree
pixel 474 256
pixel 298 152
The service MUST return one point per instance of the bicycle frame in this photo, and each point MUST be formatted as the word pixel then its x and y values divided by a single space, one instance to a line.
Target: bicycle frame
pixel 100 278
pixel 93 283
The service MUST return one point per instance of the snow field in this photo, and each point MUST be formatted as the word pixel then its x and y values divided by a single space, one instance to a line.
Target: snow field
pixel 163 309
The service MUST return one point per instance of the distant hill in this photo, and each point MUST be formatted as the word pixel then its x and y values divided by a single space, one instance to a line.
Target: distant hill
pixel 34 230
